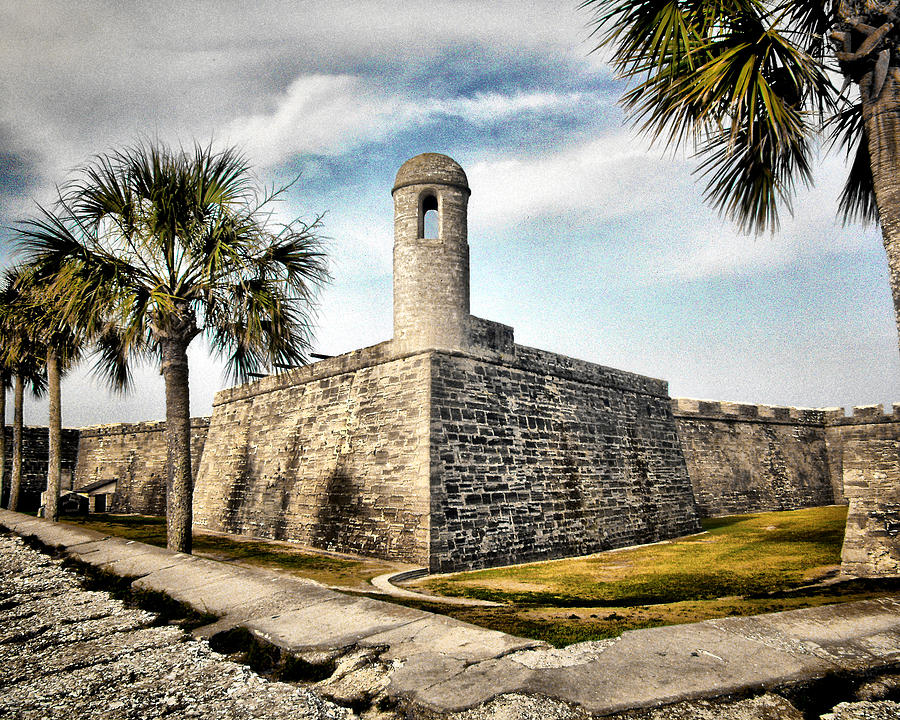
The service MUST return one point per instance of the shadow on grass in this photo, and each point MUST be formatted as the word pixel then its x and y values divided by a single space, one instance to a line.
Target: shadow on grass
pixel 742 565
pixel 322 567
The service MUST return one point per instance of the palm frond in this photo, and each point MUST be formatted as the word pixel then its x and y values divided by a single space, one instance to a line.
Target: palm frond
pixel 21 352
pixel 147 237
pixel 857 200
pixel 742 81
pixel 113 350
pixel 749 176
pixel 847 132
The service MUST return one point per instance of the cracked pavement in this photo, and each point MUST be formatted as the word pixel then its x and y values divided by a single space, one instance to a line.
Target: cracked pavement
pixel 67 652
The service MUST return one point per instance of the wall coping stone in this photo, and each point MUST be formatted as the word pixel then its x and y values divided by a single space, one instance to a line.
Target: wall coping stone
pixel 748 412
pixel 92 431
pixel 522 358
pixel 867 415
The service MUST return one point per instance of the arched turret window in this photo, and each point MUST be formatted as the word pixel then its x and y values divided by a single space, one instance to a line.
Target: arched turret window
pixel 429 227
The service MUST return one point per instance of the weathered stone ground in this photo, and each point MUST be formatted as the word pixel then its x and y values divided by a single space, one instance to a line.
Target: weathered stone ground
pixel 67 652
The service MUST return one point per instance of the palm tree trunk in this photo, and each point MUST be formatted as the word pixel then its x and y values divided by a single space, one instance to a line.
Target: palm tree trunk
pixel 873 514
pixel 15 484
pixel 180 487
pixel 881 116
pixel 2 433
pixel 54 437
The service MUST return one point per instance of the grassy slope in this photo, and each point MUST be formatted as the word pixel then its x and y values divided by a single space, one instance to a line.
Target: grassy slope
pixel 322 567
pixel 738 555
pixel 742 565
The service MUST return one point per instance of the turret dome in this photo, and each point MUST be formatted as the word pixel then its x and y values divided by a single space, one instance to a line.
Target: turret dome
pixel 431 169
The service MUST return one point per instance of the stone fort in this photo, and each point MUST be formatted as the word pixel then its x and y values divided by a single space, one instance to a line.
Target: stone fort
pixel 452 447
pixel 449 445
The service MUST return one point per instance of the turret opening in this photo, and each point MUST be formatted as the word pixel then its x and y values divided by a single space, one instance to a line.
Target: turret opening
pixel 429 227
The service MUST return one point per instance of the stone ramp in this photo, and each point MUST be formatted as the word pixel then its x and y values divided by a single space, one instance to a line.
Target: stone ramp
pixel 448 665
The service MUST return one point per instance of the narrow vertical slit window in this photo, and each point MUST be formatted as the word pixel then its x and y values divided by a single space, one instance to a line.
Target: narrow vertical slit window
pixel 430 225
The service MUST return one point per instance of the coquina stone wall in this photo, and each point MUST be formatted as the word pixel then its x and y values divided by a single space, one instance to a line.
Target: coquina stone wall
pixel 751 458
pixel 334 455
pixel 34 464
pixel 448 459
pixel 869 443
pixel 134 456
pixel 453 447
pixel 537 456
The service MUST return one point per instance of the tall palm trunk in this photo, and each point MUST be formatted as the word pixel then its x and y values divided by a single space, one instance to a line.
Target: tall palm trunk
pixel 2 433
pixel 15 484
pixel 873 514
pixel 881 116
pixel 54 437
pixel 180 486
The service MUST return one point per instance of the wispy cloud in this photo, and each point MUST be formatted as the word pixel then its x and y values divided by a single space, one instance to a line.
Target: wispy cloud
pixel 717 249
pixel 330 114
pixel 580 232
pixel 317 114
pixel 606 177
pixel 589 185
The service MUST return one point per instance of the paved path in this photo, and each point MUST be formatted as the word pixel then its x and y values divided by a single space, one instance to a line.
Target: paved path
pixel 409 656
pixel 385 584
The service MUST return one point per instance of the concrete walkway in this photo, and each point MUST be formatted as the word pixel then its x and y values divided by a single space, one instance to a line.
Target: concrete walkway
pixel 447 665
pixel 385 584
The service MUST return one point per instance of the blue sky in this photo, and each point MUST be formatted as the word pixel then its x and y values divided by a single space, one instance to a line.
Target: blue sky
pixel 584 237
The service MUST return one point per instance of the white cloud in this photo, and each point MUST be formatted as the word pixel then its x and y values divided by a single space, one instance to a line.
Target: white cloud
pixel 317 114
pixel 495 107
pixel 613 175
pixel 592 185
pixel 718 249
pixel 303 77
pixel 331 114
pixel 80 78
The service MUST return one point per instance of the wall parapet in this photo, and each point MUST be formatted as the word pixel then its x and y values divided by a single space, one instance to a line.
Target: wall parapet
pixel 329 367
pixel 94 431
pixel 863 415
pixel 527 358
pixel 747 412
pixel 745 457
pixel 491 335
pixel 563 366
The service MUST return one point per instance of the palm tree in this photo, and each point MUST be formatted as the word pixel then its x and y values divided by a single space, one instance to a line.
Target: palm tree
pixel 63 337
pixel 22 359
pixel 748 82
pixel 172 244
pixel 5 385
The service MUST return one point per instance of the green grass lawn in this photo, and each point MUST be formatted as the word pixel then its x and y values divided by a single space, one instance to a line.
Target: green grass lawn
pixel 326 568
pixel 741 565
pixel 738 555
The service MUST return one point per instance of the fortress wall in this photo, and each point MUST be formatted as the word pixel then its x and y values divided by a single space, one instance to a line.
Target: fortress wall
pixel 834 445
pixel 34 464
pixel 544 456
pixel 870 450
pixel 749 458
pixel 134 455
pixel 333 455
